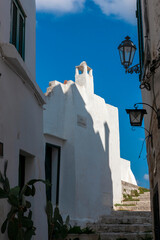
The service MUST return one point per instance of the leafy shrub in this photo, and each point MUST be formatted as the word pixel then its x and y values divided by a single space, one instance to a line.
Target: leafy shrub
pixel 78 230
pixel 19 222
pixel 59 229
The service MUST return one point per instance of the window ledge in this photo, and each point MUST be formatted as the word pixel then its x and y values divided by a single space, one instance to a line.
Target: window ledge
pixel 14 60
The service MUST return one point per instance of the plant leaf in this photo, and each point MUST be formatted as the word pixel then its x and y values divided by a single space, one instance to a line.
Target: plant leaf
pixel 33 190
pixel 4 226
pixel 28 204
pixel 15 191
pixel 20 235
pixel 30 214
pixel 5 168
pixel 49 211
pixel 67 220
pixel 13 200
pixel 6 185
pixel 33 181
pixel 27 223
pixel 13 229
pixel 3 194
pixel 28 191
pixel 1 178
pixel 29 233
pixel 12 212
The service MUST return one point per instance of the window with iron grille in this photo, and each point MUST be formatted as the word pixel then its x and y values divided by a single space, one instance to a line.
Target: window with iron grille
pixel 18 27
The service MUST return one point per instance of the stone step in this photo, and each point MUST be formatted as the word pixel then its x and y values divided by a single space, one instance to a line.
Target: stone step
pixel 147 195
pixel 143 198
pixel 128 213
pixel 138 199
pixel 124 220
pixel 132 208
pixel 125 228
pixel 136 202
pixel 126 236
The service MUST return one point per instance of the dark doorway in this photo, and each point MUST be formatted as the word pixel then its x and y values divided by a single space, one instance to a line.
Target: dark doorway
pixel 21 180
pixel 52 171
pixel 156 213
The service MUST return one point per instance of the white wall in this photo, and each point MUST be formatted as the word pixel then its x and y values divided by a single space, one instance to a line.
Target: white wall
pixel 90 181
pixel 126 172
pixel 21 114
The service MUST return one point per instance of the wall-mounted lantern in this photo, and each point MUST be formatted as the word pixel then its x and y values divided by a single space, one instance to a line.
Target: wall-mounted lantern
pixel 136 116
pixel 127 51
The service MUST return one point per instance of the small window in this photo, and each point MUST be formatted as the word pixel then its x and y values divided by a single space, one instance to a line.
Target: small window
pixel 18 27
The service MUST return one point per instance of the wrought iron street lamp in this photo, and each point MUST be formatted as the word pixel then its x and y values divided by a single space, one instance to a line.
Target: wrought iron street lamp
pixel 136 116
pixel 127 51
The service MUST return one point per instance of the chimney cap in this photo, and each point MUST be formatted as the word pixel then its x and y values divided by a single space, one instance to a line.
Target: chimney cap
pixel 81 66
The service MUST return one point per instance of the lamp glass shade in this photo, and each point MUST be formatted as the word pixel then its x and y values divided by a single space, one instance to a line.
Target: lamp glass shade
pixel 127 50
pixel 136 116
pixel 121 54
pixel 132 55
pixel 127 53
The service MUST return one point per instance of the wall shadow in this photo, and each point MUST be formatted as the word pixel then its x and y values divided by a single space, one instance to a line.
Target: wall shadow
pixel 86 189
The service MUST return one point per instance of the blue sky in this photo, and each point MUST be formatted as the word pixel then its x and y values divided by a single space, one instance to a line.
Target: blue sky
pixel 72 31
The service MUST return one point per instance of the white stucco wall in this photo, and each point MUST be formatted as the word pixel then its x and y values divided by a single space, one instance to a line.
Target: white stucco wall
pixel 126 172
pixel 90 181
pixel 21 114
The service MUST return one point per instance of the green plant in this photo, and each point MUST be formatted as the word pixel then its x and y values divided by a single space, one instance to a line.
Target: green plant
pixel 124 205
pixel 49 212
pixel 75 230
pixel 57 228
pixel 87 230
pixel 19 222
pixel 134 193
pixel 121 238
pixel 143 190
pixel 78 230
pixel 129 198
pixel 124 195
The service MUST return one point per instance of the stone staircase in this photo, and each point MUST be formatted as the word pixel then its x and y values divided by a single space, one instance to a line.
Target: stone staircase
pixel 129 221
pixel 124 225
pixel 139 203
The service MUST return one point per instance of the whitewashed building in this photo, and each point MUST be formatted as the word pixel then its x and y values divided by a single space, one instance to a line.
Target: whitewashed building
pixel 21 107
pixel 83 149
pixel 80 132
